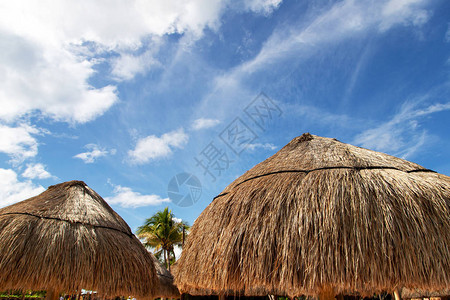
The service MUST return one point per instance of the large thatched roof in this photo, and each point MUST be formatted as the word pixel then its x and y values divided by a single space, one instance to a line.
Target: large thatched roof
pixel 322 217
pixel 166 287
pixel 68 238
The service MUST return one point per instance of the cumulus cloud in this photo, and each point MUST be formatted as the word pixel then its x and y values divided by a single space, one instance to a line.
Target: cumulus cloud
pixel 35 77
pixel 49 50
pixel 203 123
pixel 178 220
pixel 19 142
pixel 153 147
pixel 94 152
pixel 401 135
pixel 36 171
pixel 12 190
pixel 126 197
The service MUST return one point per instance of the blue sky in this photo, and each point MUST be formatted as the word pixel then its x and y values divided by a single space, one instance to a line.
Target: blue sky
pixel 125 95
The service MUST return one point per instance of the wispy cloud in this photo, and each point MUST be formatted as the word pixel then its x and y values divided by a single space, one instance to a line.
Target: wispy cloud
pixel 266 146
pixel 94 152
pixel 401 135
pixel 129 64
pixel 126 197
pixel 343 20
pixel 262 6
pixel 362 61
pixel 153 147
pixel 447 34
pixel 311 113
pixel 36 171
pixel 12 190
pixel 203 123
pixel 300 40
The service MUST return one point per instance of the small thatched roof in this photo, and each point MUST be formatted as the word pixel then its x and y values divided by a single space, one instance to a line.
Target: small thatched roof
pixel 69 238
pixel 414 294
pixel 166 287
pixel 322 217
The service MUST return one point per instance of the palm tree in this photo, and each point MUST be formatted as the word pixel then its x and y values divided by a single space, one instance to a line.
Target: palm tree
pixel 162 233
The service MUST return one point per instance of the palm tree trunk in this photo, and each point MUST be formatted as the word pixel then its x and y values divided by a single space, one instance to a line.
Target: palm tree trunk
pixel 165 258
pixel 168 260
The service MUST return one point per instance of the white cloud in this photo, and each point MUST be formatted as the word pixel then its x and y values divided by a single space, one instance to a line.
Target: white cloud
pixel 12 190
pixel 49 50
pixel 19 142
pixel 35 77
pixel 34 171
pixel 94 152
pixel 153 147
pixel 178 220
pixel 406 12
pixel 341 21
pixel 126 197
pixel 129 64
pixel 402 135
pixel 203 123
pixel 266 146
pixel 262 6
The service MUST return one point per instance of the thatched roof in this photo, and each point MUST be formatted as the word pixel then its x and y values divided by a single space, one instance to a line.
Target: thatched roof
pixel 322 217
pixel 69 238
pixel 414 294
pixel 166 287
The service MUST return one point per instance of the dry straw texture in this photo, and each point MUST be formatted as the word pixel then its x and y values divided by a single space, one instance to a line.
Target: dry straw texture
pixel 414 294
pixel 166 287
pixel 322 217
pixel 68 238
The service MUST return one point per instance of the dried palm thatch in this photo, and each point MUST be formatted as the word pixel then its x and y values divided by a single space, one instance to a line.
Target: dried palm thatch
pixel 166 287
pixel 321 217
pixel 414 294
pixel 69 238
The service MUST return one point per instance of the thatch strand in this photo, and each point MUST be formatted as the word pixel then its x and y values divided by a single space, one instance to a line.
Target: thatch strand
pixel 68 238
pixel 358 222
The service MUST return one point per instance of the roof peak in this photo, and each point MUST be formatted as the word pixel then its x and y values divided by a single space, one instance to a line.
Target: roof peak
pixel 72 201
pixel 68 184
pixel 305 137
